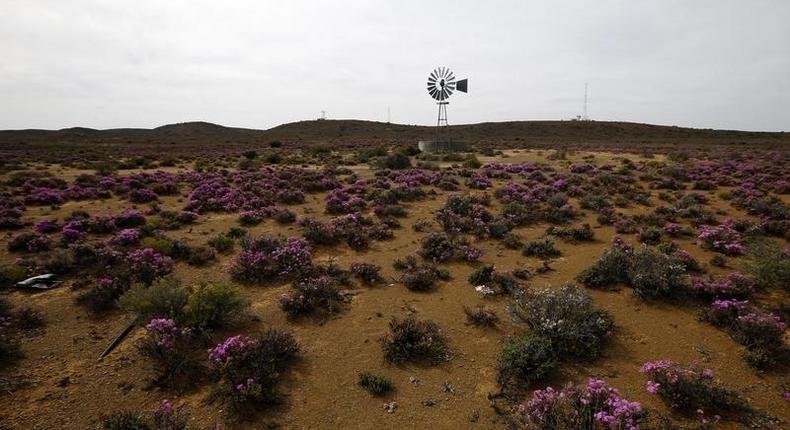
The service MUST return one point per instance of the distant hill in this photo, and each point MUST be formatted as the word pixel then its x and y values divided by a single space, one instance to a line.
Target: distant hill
pixel 352 133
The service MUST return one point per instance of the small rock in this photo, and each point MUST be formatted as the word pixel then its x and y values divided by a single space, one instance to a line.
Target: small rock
pixel 390 407
pixel 414 380
pixel 66 380
pixel 428 402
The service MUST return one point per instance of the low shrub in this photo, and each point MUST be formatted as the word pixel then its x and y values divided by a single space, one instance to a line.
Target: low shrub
pixel 525 359
pixel 284 216
pixel 375 383
pixel 168 346
pixel 594 406
pixel 103 293
pixel 582 233
pixel 652 274
pixel 395 161
pixel 165 417
pixel 490 281
pixel 148 264
pixel 480 316
pixel 722 238
pixel 248 369
pixel 368 273
pixel 543 249
pixel 690 390
pixel 416 341
pixel 165 298
pixel 768 266
pixel 270 257
pixel 735 285
pixel 200 256
pixel 213 305
pixel 222 243
pixel 762 333
pixel 567 318
pixel 650 235
pixel 420 278
pixel 439 247
pixel 310 295
pixel 125 421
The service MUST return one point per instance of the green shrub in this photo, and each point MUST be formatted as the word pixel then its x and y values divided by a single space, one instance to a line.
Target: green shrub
pixel 652 274
pixel 11 274
pixel 395 161
pixel 165 298
pixel 769 266
pixel 608 270
pixel 163 245
pixel 526 359
pixel 222 243
pixel 565 316
pixel 415 340
pixel 212 305
pixel 374 383
pixel 125 421
pixel 543 248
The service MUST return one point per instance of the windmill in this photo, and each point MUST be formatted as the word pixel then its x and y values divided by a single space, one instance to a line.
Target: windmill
pixel 441 85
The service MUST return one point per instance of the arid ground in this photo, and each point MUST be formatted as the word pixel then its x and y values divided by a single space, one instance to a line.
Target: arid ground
pixel 724 204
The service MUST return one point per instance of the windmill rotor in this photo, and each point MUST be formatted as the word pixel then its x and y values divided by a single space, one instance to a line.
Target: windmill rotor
pixel 442 83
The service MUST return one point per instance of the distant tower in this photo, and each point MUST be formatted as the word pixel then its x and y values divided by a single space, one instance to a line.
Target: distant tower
pixel 584 112
pixel 388 114
pixel 323 115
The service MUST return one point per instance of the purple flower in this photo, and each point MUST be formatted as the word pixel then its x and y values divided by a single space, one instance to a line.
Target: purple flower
pixel 652 387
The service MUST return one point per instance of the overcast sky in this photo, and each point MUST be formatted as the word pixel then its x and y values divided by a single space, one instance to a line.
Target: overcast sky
pixel 144 63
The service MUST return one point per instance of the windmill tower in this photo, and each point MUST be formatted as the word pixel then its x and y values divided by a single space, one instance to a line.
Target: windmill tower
pixel 441 84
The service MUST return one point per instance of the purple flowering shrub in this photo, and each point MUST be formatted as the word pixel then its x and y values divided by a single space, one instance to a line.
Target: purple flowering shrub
pixel 342 201
pixel 126 237
pixel 143 195
pixel 165 417
pixel 311 295
pixel 735 285
pixel 439 247
pixel 762 333
pixel 461 214
pixel 269 257
pixel 594 406
pixel 148 264
pixel 368 273
pixel 46 226
pixel 248 369
pixel 722 238
pixel 691 390
pixel 29 242
pixel 169 348
pixel 566 317
pixel 412 340
pixel 355 230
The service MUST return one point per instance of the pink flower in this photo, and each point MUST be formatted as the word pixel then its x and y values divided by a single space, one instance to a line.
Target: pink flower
pixel 652 387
